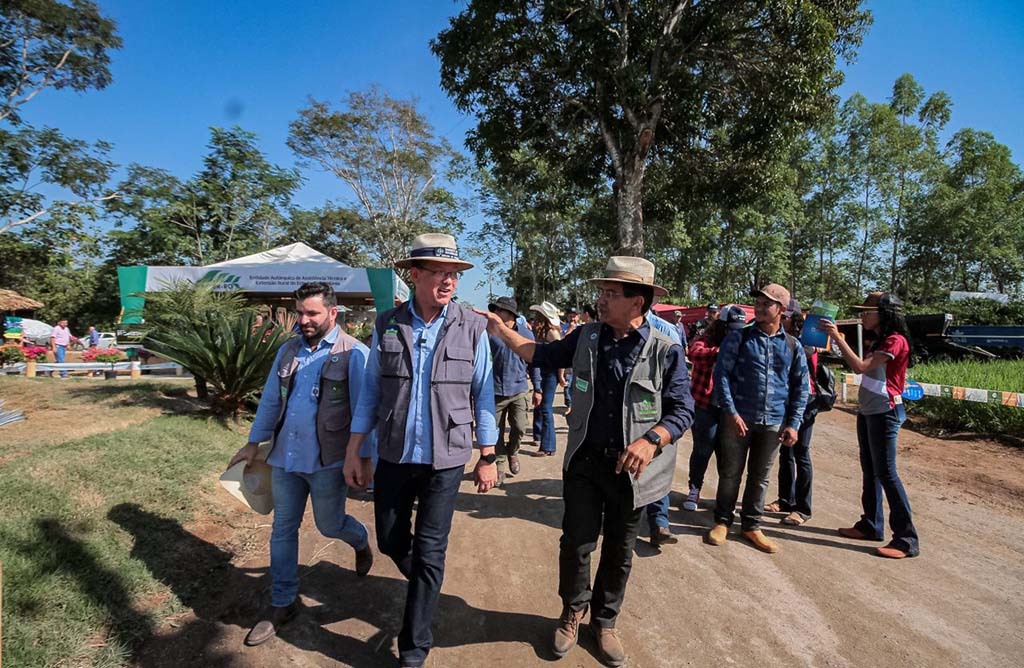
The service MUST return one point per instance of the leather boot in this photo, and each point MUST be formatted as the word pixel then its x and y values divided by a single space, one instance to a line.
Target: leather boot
pixel 568 631
pixel 717 535
pixel 610 645
pixel 662 536
pixel 271 620
pixel 760 541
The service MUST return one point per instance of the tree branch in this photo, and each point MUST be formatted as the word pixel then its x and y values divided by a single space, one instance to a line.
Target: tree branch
pixel 6 227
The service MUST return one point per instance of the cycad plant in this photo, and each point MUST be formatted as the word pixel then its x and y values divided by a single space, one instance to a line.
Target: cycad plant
pixel 230 353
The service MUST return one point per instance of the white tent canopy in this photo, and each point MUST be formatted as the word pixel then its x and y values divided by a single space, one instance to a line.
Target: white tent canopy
pixel 276 271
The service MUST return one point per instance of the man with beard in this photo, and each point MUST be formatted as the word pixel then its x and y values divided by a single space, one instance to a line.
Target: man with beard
pixel 306 408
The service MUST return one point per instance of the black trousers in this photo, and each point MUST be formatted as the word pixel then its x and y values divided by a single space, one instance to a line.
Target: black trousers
pixel 596 499
pixel 420 556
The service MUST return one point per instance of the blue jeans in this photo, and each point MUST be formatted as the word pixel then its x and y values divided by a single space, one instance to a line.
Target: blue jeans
pixel 657 513
pixel 328 491
pixel 796 474
pixel 419 556
pixel 59 353
pixel 876 435
pixel 544 415
pixel 705 442
pixel 568 390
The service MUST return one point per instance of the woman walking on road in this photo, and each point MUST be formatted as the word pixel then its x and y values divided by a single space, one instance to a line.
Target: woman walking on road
pixel 880 414
pixel 546 329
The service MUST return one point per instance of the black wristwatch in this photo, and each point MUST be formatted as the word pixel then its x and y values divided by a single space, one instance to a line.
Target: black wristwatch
pixel 653 437
pixel 489 459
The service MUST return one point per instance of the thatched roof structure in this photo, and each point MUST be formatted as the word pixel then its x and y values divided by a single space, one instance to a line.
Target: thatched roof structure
pixel 12 301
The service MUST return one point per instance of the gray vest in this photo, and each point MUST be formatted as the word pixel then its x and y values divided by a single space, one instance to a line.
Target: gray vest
pixel 641 410
pixel 334 411
pixel 450 379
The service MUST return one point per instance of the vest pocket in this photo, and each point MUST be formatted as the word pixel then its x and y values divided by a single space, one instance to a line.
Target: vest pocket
pixel 458 365
pixel 460 429
pixel 392 358
pixel 644 401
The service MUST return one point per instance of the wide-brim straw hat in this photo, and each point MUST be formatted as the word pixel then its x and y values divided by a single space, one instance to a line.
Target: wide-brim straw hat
pixel 251 484
pixel 631 270
pixel 549 311
pixel 434 247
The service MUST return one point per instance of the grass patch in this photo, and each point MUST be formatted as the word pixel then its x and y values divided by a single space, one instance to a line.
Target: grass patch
pixel 959 416
pixel 90 534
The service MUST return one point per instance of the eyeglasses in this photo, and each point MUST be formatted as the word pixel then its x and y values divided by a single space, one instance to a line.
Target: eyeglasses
pixel 454 275
pixel 609 294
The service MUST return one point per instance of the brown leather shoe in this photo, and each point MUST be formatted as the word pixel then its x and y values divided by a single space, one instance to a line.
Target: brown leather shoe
pixel 717 535
pixel 568 631
pixel 760 541
pixel 271 620
pixel 890 552
pixel 513 464
pixel 610 645
pixel 663 536
pixel 364 560
pixel 855 534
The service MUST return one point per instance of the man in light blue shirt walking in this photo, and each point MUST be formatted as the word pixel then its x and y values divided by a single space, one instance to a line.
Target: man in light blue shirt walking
pixel 428 375
pixel 305 412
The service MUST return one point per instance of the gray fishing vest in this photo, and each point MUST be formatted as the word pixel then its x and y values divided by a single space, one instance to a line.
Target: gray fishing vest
pixel 450 379
pixel 641 410
pixel 334 411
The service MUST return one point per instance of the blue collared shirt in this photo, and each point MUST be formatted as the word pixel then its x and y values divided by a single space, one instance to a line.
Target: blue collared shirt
pixel 297 449
pixel 759 378
pixel 665 327
pixel 511 370
pixel 419 439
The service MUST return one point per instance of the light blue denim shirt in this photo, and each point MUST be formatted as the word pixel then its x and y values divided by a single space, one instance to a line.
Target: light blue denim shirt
pixel 297 449
pixel 419 440
pixel 759 378
pixel 665 327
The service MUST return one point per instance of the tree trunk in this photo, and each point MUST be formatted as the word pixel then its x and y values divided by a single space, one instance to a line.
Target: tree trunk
pixel 201 390
pixel 629 207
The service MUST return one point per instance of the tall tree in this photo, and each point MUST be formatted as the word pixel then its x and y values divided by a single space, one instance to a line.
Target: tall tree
pixel 49 44
pixel 603 87
pixel 400 173
pixel 237 204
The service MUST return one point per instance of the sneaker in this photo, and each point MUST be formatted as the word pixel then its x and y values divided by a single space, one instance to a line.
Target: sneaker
pixel 568 631
pixel 692 499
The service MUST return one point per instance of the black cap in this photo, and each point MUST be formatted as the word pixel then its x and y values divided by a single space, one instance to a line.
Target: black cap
pixel 505 303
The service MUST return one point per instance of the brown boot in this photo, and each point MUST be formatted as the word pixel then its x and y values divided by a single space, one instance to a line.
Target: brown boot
pixel 568 631
pixel 662 536
pixel 513 464
pixel 610 645
pixel 270 622
pixel 717 535
pixel 760 541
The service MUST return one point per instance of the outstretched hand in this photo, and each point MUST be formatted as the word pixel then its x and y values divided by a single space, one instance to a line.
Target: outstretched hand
pixel 494 323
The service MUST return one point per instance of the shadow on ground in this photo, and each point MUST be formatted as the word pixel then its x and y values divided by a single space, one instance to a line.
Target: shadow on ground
pixel 201 575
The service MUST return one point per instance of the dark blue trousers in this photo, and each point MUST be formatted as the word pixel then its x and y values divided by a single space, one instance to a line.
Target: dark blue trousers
pixel 419 555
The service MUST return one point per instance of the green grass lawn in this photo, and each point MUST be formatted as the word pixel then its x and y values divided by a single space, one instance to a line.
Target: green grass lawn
pixel 86 518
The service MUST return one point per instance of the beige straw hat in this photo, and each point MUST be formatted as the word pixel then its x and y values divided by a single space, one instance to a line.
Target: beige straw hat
pixel 251 485
pixel 433 247
pixel 632 270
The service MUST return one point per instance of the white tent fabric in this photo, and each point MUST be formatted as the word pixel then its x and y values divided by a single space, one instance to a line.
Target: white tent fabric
pixel 275 271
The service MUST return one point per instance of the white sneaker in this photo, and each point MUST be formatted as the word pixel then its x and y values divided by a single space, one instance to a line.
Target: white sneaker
pixel 692 499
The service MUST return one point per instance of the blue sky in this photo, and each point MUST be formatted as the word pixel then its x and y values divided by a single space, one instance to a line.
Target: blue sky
pixel 191 64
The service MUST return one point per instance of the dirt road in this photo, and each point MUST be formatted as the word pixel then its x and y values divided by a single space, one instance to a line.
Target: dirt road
pixel 821 601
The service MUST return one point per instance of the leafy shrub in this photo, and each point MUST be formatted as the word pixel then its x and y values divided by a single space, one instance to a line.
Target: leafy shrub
pixel 104 355
pixel 976 311
pixel 231 354
pixel 12 354
pixel 34 352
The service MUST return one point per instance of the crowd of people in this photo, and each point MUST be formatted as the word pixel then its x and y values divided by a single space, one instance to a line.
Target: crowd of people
pixel 440 381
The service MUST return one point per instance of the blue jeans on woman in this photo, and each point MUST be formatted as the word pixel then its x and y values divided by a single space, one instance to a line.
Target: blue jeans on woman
pixel 876 435
pixel 705 442
pixel 544 415
pixel 328 491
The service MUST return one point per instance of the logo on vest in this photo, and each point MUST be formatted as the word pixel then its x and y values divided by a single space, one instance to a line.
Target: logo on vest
pixel 645 408
pixel 582 385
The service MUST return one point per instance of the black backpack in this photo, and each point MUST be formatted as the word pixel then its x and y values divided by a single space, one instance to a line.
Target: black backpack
pixel 825 389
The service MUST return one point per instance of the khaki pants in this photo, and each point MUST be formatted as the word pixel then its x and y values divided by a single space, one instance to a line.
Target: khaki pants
pixel 515 409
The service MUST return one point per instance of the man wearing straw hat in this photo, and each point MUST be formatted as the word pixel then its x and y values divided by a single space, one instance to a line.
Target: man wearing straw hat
pixel 631 401
pixel 428 375
pixel 304 412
